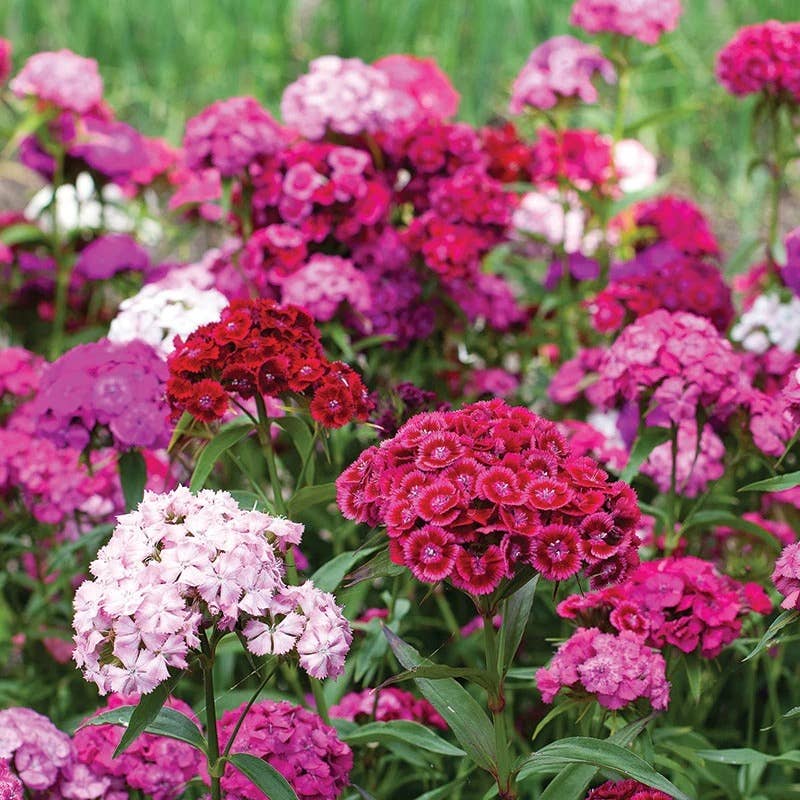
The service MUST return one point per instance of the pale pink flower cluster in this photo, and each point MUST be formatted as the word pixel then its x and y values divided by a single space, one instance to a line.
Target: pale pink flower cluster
pixel 769 322
pixel 635 165
pixel 343 95
pixel 616 668
pixel 645 20
pixel 560 67
pixel 157 315
pixel 556 218
pixel 181 561
pixel 786 576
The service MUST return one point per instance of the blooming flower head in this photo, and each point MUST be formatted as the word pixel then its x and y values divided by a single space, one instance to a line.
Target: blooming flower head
pixel 641 19
pixel 786 576
pixel 617 669
pixel 20 372
pixel 156 766
pixel 62 78
pixel 11 787
pixel 561 67
pixel 107 255
pixel 635 165
pixel 762 57
pixel 387 704
pixel 115 388
pixel 259 346
pixel 626 790
pixel 34 749
pixel 181 561
pixel 295 742
pixel 769 322
pixel 472 495
pixel 424 81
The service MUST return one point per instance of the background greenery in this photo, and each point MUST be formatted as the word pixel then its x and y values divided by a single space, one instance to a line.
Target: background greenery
pixel 163 60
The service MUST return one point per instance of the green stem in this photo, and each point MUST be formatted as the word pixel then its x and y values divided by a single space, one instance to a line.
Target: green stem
pixel 622 102
pixel 776 169
pixel 673 515
pixel 232 738
pixel 211 716
pixel 319 700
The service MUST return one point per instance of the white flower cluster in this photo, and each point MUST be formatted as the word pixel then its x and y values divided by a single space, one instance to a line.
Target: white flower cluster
pixel 769 323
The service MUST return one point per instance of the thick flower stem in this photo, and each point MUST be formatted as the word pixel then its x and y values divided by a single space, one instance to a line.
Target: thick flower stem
pixel 211 716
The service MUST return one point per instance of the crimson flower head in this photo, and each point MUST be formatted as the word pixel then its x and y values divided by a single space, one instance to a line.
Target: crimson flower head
pixel 259 346
pixel 474 495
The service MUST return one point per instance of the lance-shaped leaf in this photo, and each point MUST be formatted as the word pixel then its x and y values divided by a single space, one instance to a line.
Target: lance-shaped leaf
pixel 229 434
pixel 647 441
pixel 145 712
pixel 404 731
pixel 515 620
pixel 264 776
pixel 132 477
pixel 777 484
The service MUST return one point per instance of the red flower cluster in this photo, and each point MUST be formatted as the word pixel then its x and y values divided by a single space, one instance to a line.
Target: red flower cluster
pixel 764 57
pixel 626 790
pixel 509 157
pixel 261 347
pixel 683 602
pixel 472 495
pixel 583 158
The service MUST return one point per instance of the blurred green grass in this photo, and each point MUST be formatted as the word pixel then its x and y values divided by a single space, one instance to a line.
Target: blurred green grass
pixel 163 60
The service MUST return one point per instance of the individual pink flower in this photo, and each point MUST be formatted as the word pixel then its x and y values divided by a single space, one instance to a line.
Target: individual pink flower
pixel 561 67
pixel 786 576
pixel 20 372
pixel 638 18
pixel 62 78
pixel 422 79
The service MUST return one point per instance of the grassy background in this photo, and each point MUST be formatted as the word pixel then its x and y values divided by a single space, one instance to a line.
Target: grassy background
pixel 163 60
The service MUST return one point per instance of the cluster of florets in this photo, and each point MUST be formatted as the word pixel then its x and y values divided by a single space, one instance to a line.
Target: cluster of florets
pixel 295 742
pixel 679 222
pixel 786 576
pixel 385 705
pixel 769 322
pixel 182 562
pixel 680 601
pixel 637 18
pixel 560 68
pixel 156 766
pixel 626 790
pixel 108 255
pixel 508 155
pixel 261 347
pixel 762 57
pixel 36 752
pixel 580 158
pixel 475 494
pixel 635 165
pixel 674 283
pixel 615 668
pixel 423 81
pixel 11 787
pixel 104 393
pixel 553 217
pixel 157 315
pixel 20 373
pixel 230 134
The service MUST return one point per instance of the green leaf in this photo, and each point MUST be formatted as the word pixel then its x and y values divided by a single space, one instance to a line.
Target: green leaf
pixel 776 484
pixel 515 620
pixel 778 624
pixel 714 517
pixel 461 711
pixel 167 722
pixel 184 423
pixel 647 441
pixel 132 476
pixel 311 496
pixel 439 672
pixel 22 233
pixel 298 431
pixel 379 566
pixel 263 775
pixel 405 731
pixel 601 754
pixel 330 575
pixel 443 792
pixel 145 712
pixel 229 434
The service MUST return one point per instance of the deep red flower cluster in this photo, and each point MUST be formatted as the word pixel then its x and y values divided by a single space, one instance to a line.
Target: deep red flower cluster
pixel 581 158
pixel 509 157
pixel 680 601
pixel 763 57
pixel 626 790
pixel 261 347
pixel 475 494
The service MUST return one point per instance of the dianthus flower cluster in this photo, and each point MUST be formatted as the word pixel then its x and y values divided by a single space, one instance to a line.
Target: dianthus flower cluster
pixel 36 751
pixel 157 315
pixel 661 278
pixel 486 299
pixel 494 381
pixel 561 67
pixel 107 255
pixel 769 322
pixel 104 392
pixel 230 134
pixel 626 790
pixel 508 155
pixel 182 561
pixel 582 158
pixel 678 221
pixel 323 284
pixel 259 346
pixel 20 372
pixel 346 96
pixel 156 766
pixel 423 81
pixel 679 601
pixel 11 787
pixel 472 495
pixel 598 438
pixel 297 743
pixel 554 217
pixel 615 668
pixel 762 57
pixel 635 165
pixel 638 18
pixel 385 705
pixel 786 576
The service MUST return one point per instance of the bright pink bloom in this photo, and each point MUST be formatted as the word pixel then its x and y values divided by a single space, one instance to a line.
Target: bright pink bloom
pixel 626 790
pixel 422 79
pixel 786 576
pixel 6 48
pixel 62 78
pixel 638 18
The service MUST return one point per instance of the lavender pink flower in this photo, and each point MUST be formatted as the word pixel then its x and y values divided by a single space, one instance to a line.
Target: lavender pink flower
pixel 642 19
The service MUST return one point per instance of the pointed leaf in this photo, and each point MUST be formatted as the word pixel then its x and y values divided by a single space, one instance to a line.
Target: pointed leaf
pixel 714 517
pixel 330 575
pixel 227 437
pixel 133 477
pixel 298 431
pixel 438 672
pixel 379 566
pixel 183 425
pixel 647 441
pixel 145 712
pixel 405 731
pixel 263 775
pixel 778 624
pixel 461 711
pixel 515 620
pixel 311 496
pixel 777 484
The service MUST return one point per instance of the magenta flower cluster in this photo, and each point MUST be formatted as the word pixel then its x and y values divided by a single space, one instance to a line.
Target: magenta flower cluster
pixel 641 19
pixel 786 576
pixel 384 705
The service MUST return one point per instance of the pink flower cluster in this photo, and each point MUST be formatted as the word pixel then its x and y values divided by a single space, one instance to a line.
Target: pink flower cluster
pixel 562 67
pixel 641 19
pixel 295 742
pixel 20 372
pixel 35 750
pixel 472 495
pixel 617 669
pixel 679 222
pixel 156 766
pixel 786 576
pixel 583 158
pixel 422 80
pixel 107 255
pixel 626 790
pixel 762 57
pixel 11 787
pixel 387 704
pixel 105 393
pixel 182 561
pixel 679 601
